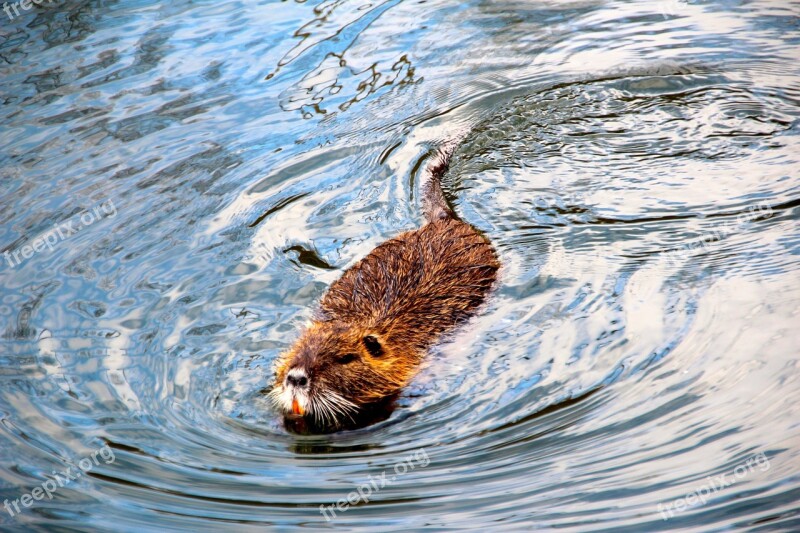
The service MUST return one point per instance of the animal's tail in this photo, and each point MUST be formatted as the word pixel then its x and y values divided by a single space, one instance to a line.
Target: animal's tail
pixel 434 204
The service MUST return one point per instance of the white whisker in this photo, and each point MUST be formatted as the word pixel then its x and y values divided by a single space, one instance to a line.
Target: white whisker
pixel 340 405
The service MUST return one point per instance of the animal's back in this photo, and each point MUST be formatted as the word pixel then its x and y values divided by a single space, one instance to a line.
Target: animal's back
pixel 418 285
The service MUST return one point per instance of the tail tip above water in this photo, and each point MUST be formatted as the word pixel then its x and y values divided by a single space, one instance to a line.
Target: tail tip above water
pixel 434 202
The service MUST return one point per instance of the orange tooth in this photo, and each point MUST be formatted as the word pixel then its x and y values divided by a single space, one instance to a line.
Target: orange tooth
pixel 296 409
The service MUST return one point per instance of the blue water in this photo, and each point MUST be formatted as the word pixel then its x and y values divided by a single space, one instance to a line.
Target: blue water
pixel 181 181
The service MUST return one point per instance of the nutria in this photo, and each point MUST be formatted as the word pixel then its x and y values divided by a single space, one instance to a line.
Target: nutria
pixel 376 323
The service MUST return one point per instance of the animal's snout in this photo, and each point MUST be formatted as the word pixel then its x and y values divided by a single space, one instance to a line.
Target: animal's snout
pixel 297 377
pixel 297 385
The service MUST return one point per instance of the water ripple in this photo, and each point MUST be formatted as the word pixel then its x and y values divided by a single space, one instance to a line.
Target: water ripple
pixel 636 166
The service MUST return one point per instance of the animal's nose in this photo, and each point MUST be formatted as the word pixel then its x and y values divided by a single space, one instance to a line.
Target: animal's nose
pixel 297 381
pixel 297 378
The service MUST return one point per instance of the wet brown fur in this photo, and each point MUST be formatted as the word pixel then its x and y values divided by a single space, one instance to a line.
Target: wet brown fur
pixel 376 323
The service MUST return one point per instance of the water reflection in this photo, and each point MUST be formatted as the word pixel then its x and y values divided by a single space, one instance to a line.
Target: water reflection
pixel 641 339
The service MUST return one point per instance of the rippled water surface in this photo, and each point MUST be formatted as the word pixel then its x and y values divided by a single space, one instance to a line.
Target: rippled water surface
pixel 181 181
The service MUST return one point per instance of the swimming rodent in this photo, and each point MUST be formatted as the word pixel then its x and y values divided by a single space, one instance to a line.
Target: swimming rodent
pixel 375 324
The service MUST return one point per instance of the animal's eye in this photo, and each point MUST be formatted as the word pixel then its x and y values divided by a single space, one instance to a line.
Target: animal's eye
pixel 346 358
pixel 373 345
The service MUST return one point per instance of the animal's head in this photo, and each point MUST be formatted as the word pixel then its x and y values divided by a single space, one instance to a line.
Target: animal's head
pixel 334 373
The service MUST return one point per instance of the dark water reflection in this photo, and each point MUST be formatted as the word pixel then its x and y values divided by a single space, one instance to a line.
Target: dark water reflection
pixel 636 165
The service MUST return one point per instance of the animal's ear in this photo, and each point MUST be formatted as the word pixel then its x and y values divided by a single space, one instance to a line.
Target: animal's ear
pixel 373 345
